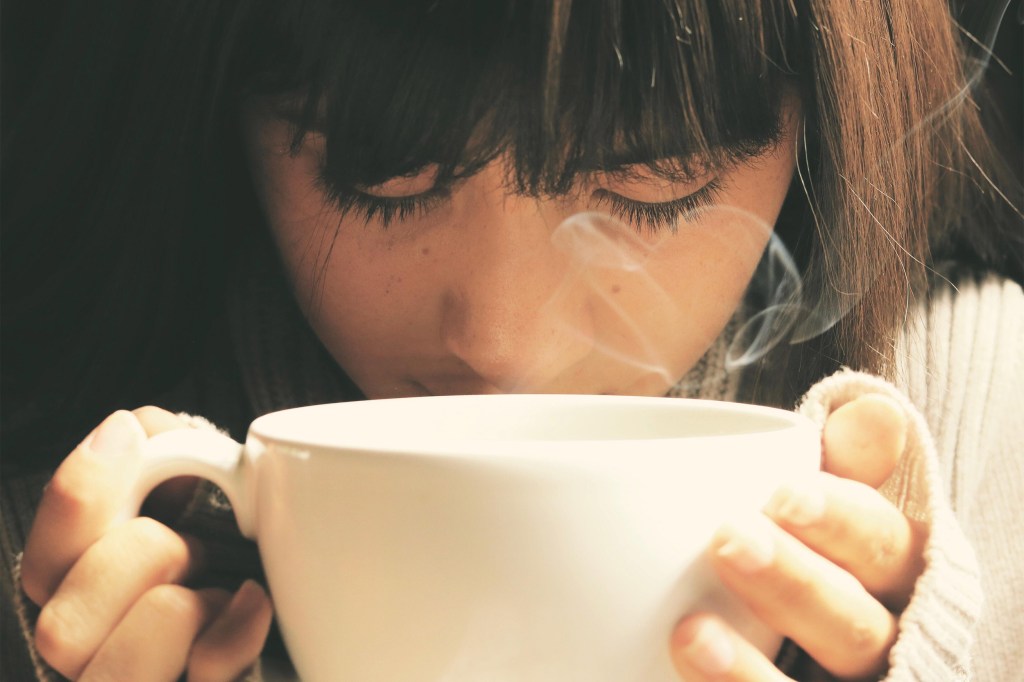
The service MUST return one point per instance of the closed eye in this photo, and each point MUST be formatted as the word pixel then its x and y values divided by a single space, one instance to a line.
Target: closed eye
pixel 662 215
pixel 644 216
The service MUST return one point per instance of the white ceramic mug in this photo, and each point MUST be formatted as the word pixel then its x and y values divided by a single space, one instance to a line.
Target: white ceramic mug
pixel 508 538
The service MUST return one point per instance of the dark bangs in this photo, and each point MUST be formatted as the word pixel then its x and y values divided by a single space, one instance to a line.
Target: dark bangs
pixel 562 88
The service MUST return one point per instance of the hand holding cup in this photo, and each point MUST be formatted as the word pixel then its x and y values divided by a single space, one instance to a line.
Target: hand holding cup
pixel 106 584
pixel 830 563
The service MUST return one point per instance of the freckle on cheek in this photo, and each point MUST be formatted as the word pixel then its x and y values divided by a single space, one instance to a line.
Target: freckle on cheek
pixel 425 251
pixel 616 288
pixel 393 281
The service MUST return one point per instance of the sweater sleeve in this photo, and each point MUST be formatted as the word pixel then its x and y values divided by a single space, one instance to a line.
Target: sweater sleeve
pixel 19 497
pixel 963 363
pixel 936 628
pixel 961 383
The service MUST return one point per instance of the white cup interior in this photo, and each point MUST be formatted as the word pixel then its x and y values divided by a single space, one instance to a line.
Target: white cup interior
pixel 446 420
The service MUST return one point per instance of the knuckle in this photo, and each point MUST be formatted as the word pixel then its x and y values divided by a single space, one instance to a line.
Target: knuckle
pixel 862 639
pixel 56 641
pixel 160 555
pixel 149 530
pixel 864 648
pixel 796 588
pixel 884 550
pixel 164 548
pixel 34 583
pixel 69 493
pixel 169 603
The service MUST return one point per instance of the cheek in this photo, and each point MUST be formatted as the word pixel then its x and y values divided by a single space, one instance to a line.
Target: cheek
pixel 694 284
pixel 299 218
pixel 694 281
pixel 337 283
pixel 368 296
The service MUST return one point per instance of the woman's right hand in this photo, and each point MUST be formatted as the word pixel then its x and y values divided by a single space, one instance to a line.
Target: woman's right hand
pixel 111 595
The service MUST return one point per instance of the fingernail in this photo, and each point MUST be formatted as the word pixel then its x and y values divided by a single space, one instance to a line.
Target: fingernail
pixel 118 434
pixel 710 649
pixel 799 503
pixel 748 546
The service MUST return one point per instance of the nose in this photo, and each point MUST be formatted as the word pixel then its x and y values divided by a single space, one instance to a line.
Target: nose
pixel 512 312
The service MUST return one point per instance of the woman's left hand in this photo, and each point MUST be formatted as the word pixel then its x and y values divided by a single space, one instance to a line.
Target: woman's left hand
pixel 830 563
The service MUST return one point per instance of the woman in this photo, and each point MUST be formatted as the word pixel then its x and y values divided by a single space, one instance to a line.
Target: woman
pixel 269 204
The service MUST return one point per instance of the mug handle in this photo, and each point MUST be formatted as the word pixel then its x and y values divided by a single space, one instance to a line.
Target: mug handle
pixel 197 452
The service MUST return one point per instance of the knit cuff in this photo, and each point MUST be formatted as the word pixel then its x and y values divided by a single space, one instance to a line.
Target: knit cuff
pixel 27 613
pixel 936 628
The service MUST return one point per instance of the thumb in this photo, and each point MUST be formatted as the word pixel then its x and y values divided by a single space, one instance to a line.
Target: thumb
pixel 864 439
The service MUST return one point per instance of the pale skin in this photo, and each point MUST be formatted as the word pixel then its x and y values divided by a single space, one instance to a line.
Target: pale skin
pixel 829 563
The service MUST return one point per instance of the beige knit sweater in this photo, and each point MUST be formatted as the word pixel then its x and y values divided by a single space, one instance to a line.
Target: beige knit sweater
pixel 962 365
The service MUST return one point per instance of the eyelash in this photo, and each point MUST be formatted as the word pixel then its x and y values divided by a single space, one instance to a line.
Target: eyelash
pixel 644 216
pixel 656 216
pixel 383 209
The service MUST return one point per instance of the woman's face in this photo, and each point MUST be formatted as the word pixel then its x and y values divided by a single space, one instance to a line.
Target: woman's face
pixel 486 291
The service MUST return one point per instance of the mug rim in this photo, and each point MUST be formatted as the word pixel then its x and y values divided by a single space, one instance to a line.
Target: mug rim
pixel 274 427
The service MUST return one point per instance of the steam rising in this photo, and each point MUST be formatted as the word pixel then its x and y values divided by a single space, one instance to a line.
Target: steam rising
pixel 776 308
pixel 601 249
pixel 598 245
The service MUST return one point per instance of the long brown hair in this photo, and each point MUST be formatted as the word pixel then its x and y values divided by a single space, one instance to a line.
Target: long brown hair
pixel 897 174
pixel 125 191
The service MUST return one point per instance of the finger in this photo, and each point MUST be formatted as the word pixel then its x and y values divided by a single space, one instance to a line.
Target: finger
pixel 804 596
pixel 864 439
pixel 152 642
pixel 156 420
pixel 168 499
pixel 104 584
pixel 703 647
pixel 853 526
pixel 82 500
pixel 234 640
